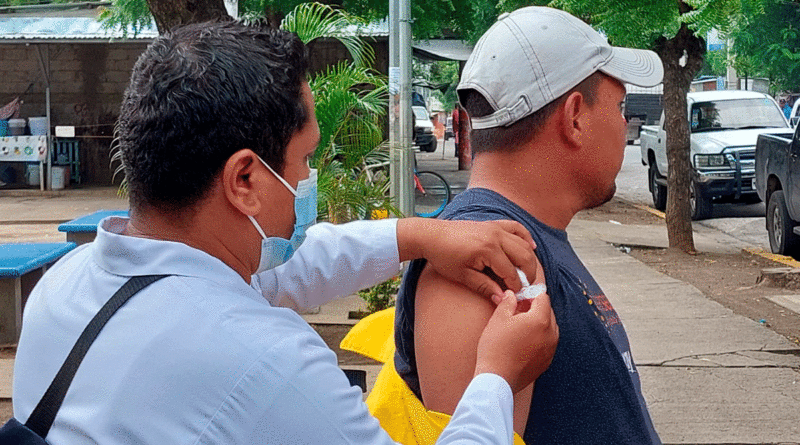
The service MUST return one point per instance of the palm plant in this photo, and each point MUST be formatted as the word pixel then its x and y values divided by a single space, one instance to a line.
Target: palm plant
pixel 351 103
pixel 311 21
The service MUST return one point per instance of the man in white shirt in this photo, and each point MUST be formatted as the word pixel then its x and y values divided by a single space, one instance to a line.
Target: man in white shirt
pixel 216 130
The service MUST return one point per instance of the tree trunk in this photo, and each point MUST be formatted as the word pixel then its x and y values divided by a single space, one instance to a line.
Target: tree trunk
pixel 171 13
pixel 677 80
pixel 273 17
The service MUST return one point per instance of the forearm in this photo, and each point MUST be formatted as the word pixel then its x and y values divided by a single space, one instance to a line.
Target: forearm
pixel 411 235
pixel 484 415
pixel 333 262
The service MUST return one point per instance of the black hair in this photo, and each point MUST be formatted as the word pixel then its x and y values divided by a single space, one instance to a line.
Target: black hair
pixel 200 93
pixel 510 138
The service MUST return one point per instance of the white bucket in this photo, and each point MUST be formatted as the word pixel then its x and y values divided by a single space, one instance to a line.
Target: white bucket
pixel 16 127
pixel 38 126
pixel 58 179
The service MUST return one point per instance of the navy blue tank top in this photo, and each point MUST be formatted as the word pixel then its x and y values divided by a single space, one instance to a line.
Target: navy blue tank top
pixel 591 393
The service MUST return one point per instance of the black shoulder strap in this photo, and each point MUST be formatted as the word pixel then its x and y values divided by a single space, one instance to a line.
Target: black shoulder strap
pixel 41 419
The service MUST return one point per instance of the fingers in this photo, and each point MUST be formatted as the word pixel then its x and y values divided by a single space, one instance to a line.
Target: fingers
pixel 481 283
pixel 517 229
pixel 501 265
pixel 515 253
pixel 541 303
pixel 506 304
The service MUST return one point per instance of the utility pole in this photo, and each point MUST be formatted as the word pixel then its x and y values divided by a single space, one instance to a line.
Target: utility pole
pixel 401 151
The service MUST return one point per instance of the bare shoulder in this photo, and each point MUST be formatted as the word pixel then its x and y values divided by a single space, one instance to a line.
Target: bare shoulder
pixel 448 323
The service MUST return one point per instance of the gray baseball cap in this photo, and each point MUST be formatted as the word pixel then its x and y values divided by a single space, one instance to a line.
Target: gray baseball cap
pixel 534 55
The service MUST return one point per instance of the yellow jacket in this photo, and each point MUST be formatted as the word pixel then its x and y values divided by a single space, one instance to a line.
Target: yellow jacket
pixel 391 401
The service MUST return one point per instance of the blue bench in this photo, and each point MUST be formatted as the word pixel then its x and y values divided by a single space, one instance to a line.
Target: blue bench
pixel 84 229
pixel 21 267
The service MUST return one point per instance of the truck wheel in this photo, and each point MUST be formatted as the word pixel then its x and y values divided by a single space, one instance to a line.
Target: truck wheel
pixel 782 240
pixel 658 191
pixel 699 203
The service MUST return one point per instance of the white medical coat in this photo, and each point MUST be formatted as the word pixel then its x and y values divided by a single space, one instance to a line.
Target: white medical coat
pixel 201 357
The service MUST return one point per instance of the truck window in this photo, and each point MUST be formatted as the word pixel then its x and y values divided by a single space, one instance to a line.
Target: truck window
pixel 735 114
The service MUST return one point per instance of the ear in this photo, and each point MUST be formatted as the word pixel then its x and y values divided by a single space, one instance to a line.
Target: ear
pixel 238 181
pixel 574 120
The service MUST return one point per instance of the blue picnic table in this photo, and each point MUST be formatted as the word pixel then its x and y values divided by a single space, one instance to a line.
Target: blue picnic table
pixel 84 229
pixel 21 267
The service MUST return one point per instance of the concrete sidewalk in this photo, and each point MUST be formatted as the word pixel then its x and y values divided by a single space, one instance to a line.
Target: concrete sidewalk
pixel 710 376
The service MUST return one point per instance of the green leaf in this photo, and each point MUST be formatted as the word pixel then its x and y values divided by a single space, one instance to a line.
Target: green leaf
pixel 312 21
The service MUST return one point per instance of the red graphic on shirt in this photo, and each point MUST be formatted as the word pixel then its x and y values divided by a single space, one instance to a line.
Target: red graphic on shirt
pixel 606 313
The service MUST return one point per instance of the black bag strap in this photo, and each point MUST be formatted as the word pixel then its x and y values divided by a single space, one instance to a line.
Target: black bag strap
pixel 41 419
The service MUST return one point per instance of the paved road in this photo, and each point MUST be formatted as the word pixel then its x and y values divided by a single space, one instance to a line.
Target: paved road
pixel 744 222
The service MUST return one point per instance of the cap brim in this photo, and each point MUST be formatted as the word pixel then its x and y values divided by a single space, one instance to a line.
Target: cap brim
pixel 635 66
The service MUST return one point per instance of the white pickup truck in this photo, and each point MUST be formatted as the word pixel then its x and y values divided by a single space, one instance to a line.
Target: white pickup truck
pixel 724 127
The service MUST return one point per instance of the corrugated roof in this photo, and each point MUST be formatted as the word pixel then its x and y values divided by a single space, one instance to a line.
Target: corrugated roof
pixel 65 28
pixel 378 28
pixel 441 49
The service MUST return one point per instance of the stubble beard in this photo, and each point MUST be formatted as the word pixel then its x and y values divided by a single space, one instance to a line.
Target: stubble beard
pixel 599 198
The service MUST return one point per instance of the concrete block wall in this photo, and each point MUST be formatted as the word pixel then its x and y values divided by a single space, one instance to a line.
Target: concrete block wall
pixel 87 82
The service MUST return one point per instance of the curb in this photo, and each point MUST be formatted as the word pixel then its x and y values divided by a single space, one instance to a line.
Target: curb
pixel 781 259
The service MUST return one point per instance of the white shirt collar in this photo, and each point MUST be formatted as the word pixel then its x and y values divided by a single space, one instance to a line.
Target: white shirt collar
pixel 128 256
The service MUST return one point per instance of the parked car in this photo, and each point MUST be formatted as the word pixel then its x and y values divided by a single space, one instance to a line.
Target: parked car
pixel 448 128
pixel 642 108
pixel 423 129
pixel 794 116
pixel 724 127
pixel 778 184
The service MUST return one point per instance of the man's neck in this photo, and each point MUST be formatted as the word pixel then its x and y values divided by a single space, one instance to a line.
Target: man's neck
pixel 195 232
pixel 537 183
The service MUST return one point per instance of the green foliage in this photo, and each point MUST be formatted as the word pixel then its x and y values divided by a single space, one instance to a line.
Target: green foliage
pixel 444 77
pixel 772 41
pixel 381 296
pixel 715 64
pixel 351 104
pixel 314 20
pixel 639 24
pixel 125 14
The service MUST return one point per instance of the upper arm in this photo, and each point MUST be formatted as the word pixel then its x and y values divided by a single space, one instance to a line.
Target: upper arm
pixel 449 320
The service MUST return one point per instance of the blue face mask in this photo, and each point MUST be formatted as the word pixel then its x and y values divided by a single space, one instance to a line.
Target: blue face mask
pixel 276 250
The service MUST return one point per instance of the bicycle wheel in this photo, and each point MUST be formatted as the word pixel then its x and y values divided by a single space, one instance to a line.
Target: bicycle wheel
pixel 431 193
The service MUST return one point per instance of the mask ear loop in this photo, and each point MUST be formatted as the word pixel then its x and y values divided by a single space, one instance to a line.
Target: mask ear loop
pixel 291 189
pixel 260 230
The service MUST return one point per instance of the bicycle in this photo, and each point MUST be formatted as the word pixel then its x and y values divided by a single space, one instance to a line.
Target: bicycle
pixel 431 191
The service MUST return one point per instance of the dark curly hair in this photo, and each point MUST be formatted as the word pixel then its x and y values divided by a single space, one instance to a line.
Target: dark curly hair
pixel 199 94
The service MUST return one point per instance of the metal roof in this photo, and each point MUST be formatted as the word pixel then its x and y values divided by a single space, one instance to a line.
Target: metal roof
pixel 442 50
pixel 58 29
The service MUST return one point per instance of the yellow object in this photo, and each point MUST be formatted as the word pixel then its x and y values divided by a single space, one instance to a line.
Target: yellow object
pixel 379 214
pixel 391 401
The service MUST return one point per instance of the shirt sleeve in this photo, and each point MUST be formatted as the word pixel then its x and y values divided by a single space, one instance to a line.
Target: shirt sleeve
pixel 316 404
pixel 333 262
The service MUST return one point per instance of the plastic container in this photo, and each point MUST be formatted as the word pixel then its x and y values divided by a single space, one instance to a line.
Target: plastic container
pixel 38 126
pixel 58 179
pixel 16 127
pixel 3 127
pixel 32 173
